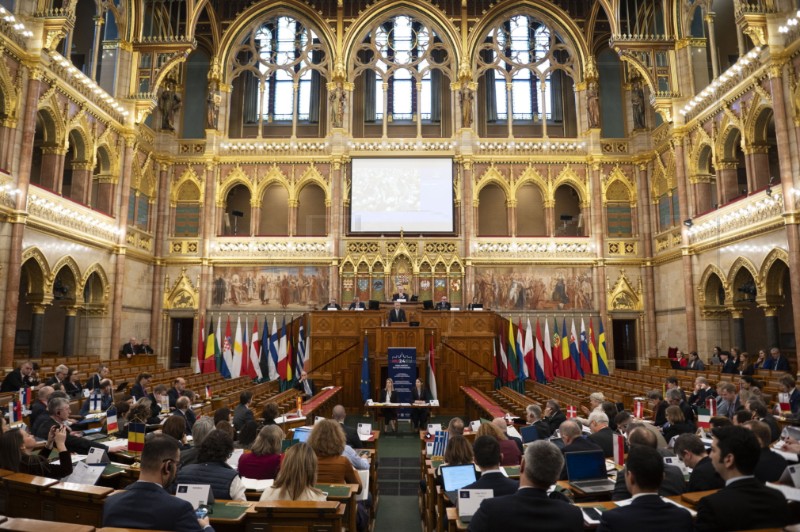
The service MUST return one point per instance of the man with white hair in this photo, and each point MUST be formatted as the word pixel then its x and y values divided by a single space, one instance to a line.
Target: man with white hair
pixel 601 434
pixel 60 375
pixel 595 405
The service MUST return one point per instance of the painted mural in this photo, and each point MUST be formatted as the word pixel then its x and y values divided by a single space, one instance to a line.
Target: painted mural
pixel 270 287
pixel 534 288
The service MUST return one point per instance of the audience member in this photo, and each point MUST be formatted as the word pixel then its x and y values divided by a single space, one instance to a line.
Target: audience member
pixel 102 397
pixel 176 427
pixel 571 435
pixel 694 362
pixel 602 435
pixel 675 397
pixel 691 451
pixel 702 391
pixel 59 377
pixel 770 465
pixel 247 436
pixel 500 423
pixel 553 415
pixel 419 415
pixel 728 401
pixel 676 424
pixel 270 413
pixel 264 461
pixel 672 383
pixel 488 458
pixel 142 386
pixel 760 413
pixel 534 417
pixel 776 361
pixel 455 427
pixel 102 373
pixel 327 440
pixel 673 483
pixel 242 412
pixel 787 385
pixel 40 406
pixel 183 409
pixel 296 478
pixel 610 409
pixel 200 430
pixel 19 378
pixel 509 449
pixel 73 385
pixel 16 453
pixel 211 468
pixel 305 385
pixel 659 407
pixel 178 386
pixel 351 434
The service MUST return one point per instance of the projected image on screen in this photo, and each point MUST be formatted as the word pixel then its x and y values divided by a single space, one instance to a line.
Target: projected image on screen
pixel 412 195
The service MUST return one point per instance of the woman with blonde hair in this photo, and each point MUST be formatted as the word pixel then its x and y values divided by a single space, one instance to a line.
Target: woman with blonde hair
pixel 296 478
pixel 508 448
pixel 265 459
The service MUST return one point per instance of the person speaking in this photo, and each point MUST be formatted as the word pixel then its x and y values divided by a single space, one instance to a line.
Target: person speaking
pixel 397 314
pixel 357 304
pixel 443 304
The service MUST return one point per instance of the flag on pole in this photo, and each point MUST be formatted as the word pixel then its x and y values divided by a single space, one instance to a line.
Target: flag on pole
pixel 14 412
pixel 431 373
pixel 703 418
pixel 208 391
pixel 503 359
pixel 602 361
pixel 558 366
pixel 244 370
pixel 574 352
pixel 523 370
pixel 218 346
pixel 254 368
pixel 209 362
pixel 25 394
pixel 534 367
pixel 783 401
pixel 289 351
pixel 549 365
pixel 274 344
pixel 541 367
pixel 201 348
pixel 711 405
pixel 236 363
pixel 264 356
pixel 227 351
pixel 572 412
pixel 96 402
pixel 282 351
pixel 586 361
pixel 511 353
pixel 593 350
pixel 638 409
pixel 136 437
pixel 365 386
pixel 566 357
pixel 111 421
pixel 300 358
pixel 619 449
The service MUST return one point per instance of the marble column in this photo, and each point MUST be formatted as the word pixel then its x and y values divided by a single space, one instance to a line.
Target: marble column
pixel 727 182
pixel 18 218
pixel 81 183
pixel 159 251
pixel 469 229
pixel 738 329
pixel 37 330
pixel 293 204
pixel 598 237
pixel 206 234
pixel 712 44
pixel 70 323
pixel 105 198
pixel 52 168
pixel 771 326
pixel 121 248
pixel 511 209
pixel 96 47
pixel 759 157
pixel 688 273
pixel 703 194
pixel 646 230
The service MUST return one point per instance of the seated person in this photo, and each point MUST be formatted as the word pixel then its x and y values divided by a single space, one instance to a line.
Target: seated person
pixel 388 395
pixel 691 451
pixel 332 304
pixel 401 295
pixel 508 448
pixel 144 348
pixel 601 434
pixel 21 377
pixel 211 468
pixel 673 483
pixel 419 395
pixel 296 478
pixel 534 417
pixel 16 453
pixel 305 385
pixel 488 458
pixel 770 465
pixel 242 413
pixel 102 397
pixel 357 304
pixel 443 304
pixel 327 441
pixel 676 424
pixel 572 436
pixel 264 461
pixel 350 434
pixel 60 376
pixel 130 348
pixel 142 386
pixel 183 408
pixel 397 314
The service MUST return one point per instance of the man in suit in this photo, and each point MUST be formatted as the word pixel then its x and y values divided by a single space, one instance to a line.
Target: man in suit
pixel 58 412
pixel 540 468
pixel 357 304
pixel 242 413
pixel 534 415
pixel 776 362
pixel 332 305
pixel 157 397
pixel 397 314
pixel 601 434
pixel 131 348
pixel 401 295
pixel 443 304
pixel 691 451
pixel 644 471
pixel 672 484
pixel 702 391
pixel 183 408
pixel 728 363
pixel 761 413
pixel 102 397
pixel 728 400
pixel 350 434
pixel 59 377
pixel 40 406
pixel 305 385
pixel 745 503
pixel 19 378
pixel 770 465
pixel 571 434
pixel 695 363
pixel 159 466
pixel 178 386
pixel 144 348
pixel 553 415
pixel 488 458
pixel 102 373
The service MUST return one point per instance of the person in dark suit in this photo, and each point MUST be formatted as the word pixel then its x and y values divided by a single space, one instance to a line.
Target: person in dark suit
pixel 574 441
pixel 419 416
pixel 694 362
pixel 534 418
pixel 178 386
pixel 728 401
pixel 553 415
pixel 183 408
pixel 357 304
pixel 19 378
pixel 389 395
pixel 159 467
pixel 305 385
pixel 644 471
pixel 788 385
pixel 102 373
pixel 691 451
pixel 350 434
pixel 770 465
pixel 130 348
pixel 242 413
pixel 776 362
pixel 672 484
pixel 443 304
pixel 332 304
pixel 487 458
pixel 102 397
pixel 401 295
pixel 702 391
pixel 39 408
pixel 540 469
pixel 144 348
pixel 745 503
pixel 602 435
pixel 59 377
pixel 760 413
pixel 727 362
pixel 397 314
pixel 140 389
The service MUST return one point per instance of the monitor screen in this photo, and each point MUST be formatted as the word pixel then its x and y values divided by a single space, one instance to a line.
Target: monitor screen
pixel 301 435
pixel 457 476
pixel 584 465
pixel 529 434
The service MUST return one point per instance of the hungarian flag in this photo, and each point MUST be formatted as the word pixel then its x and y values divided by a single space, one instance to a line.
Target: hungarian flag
pixel 111 421
pixel 209 362
pixel 432 373
pixel 619 449
pixel 711 404
pixel 136 437
pixel 572 412
pixel 704 418
pixel 227 351
pixel 638 410
pixel 254 368
pixel 549 374
pixel 201 349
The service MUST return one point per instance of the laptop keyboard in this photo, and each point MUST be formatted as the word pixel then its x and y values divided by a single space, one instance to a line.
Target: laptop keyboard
pixel 590 483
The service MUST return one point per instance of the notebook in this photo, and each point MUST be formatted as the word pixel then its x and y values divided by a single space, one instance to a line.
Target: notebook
pixel 456 477
pixel 529 434
pixel 586 471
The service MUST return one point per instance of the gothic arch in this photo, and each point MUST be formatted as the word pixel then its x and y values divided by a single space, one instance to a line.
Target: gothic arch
pixel 617 179
pixel 773 269
pixel 706 288
pixel 312 175
pixel 234 177
pixel 737 266
pixel 491 176
pixel 52 128
pixel 70 264
pixel 96 269
pixel 82 145
pixel 274 175
pixel 726 143
pixel 190 180
pixel 531 176
pixel 39 274
pixel 567 176
pixel 701 158
pixel 756 126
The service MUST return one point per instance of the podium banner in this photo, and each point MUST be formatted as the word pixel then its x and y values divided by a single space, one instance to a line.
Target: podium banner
pixel 403 372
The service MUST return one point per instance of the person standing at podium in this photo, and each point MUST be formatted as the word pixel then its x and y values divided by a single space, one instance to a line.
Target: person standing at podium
pixel 397 314
pixel 443 304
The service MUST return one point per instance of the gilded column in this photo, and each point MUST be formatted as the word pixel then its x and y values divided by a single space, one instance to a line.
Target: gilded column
pixel 70 322
pixel 595 204
pixel 37 330
pixel 18 219
pixel 334 205
pixel 161 230
pixel 206 234
pixel 646 231
pixel 511 208
pixel 468 228
pixel 688 274
pixel 121 248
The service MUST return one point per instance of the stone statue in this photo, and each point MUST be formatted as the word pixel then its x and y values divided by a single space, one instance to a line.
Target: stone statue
pixel 212 104
pixel 168 103
pixel 593 104
pixel 466 106
pixel 637 103
pixel 337 98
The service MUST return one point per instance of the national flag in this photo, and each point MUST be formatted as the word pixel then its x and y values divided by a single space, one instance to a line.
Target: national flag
pixel 254 367
pixel 783 401
pixel 549 363
pixel 567 366
pixel 209 363
pixel 638 409
pixel 496 359
pixel 511 353
pixel 263 356
pixel 704 418
pixel 574 352
pixel 274 341
pixel 602 360
pixel 572 412
pixel 236 361
pixel 300 356
pixel 282 351
pixel 218 338
pixel 431 373
pixel 711 405
pixel 95 402
pixel 541 364
pixel 506 377
pixel 14 412
pixel 208 391
pixel 25 394
pixel 111 421
pixel 586 361
pixel 558 366
pixel 619 449
pixel 593 350
pixel 227 351
pixel 244 369
pixel 136 437
pixel 201 348
pixel 289 351
pixel 524 371
pixel 366 392
pixel 534 366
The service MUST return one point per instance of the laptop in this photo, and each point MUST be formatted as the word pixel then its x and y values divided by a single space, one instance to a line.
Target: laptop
pixel 456 477
pixel 586 471
pixel 301 435
pixel 529 434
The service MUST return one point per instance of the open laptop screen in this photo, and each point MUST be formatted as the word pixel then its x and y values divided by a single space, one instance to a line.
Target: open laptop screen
pixel 301 435
pixel 457 476
pixel 529 434
pixel 586 465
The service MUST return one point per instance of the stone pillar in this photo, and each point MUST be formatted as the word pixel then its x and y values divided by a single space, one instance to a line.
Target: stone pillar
pixel 255 217
pixel 759 175
pixel 206 234
pixel 52 169
pixel 293 204
pixel 771 326
pixel 703 197
pixel 511 209
pixel 712 44
pixel 70 323
pixel 688 273
pixel 740 41
pixel 727 182
pixel 81 183
pixel 105 198
pixel 98 37
pixel 787 186
pixel 120 250
pixel 468 230
pixel 37 330
pixel 738 329
pixel 18 219
pixel 550 217
pixel 598 237
pixel 646 230
pixel 159 252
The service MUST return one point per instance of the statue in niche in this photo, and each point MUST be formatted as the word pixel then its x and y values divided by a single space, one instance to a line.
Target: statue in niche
pixel 337 98
pixel 593 104
pixel 637 103
pixel 212 104
pixel 168 104
pixel 466 106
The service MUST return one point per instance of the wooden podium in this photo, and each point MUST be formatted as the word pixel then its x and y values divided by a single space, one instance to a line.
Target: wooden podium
pixel 401 335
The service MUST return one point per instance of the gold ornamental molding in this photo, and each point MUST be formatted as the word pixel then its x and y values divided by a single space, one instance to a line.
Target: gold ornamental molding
pixel 183 294
pixel 622 296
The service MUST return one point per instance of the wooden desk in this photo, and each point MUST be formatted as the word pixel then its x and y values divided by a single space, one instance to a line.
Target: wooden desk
pixel 25 491
pixel 229 516
pixel 35 525
pixel 344 493
pixel 67 502
pixel 374 409
pixel 324 516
